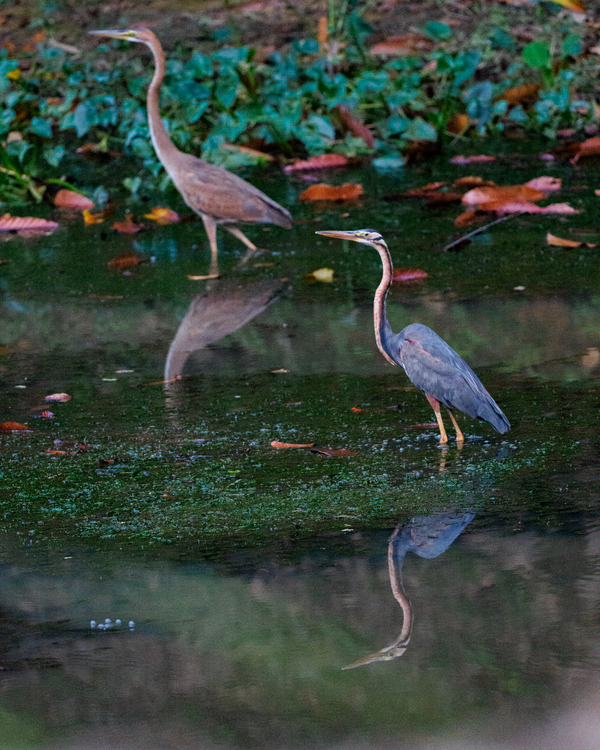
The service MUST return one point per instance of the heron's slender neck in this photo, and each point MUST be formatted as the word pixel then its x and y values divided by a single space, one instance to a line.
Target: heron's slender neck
pixel 383 330
pixel 164 147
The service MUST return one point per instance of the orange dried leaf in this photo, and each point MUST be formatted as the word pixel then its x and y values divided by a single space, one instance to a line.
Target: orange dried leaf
pixel 280 446
pixel 71 199
pixel 10 223
pixel 470 216
pixel 53 452
pixel 471 181
pixel 124 261
pixel 458 124
pixel 482 195
pixel 163 216
pixel 324 161
pixel 591 147
pixel 128 226
pixel 324 192
pixel 259 156
pixel 14 427
pixel 515 95
pixel 90 218
pixel 407 44
pixel 560 242
pixel 323 31
pixel 58 397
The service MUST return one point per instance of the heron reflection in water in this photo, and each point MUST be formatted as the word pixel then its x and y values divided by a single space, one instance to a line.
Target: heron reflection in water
pixel 219 197
pixel 426 536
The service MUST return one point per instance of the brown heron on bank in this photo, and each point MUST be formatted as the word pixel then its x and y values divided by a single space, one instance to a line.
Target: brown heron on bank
pixel 434 367
pixel 216 195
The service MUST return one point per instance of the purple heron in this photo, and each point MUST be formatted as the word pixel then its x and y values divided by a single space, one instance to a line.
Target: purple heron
pixel 216 195
pixel 433 366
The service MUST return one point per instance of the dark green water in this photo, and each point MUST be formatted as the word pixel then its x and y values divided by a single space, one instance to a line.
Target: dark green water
pixel 253 575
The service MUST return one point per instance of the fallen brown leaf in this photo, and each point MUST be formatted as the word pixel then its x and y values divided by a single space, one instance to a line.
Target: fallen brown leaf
pixel 324 161
pixel 407 44
pixel 70 199
pixel 58 397
pixel 515 95
pixel 10 223
pixel 324 192
pixel 14 427
pixel 560 242
pixel 458 124
pixel 124 261
pixel 128 226
pixel 281 446
pixel 481 195
pixel 591 147
pixel 470 181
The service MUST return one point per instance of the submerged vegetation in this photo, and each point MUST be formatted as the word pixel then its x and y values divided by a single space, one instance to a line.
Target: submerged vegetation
pixel 332 92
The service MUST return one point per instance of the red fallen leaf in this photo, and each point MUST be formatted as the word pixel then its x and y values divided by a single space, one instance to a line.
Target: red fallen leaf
pixel 324 161
pixel 128 226
pixel 124 261
pixel 71 199
pixel 591 147
pixel 10 223
pixel 46 414
pixel 421 192
pixel 355 126
pixel 259 156
pixel 334 451
pixel 58 397
pixel 408 274
pixel 163 216
pixel 54 452
pixel 545 184
pixel 14 427
pixel 479 196
pixel 471 159
pixel 280 446
pixel 407 44
pixel 324 192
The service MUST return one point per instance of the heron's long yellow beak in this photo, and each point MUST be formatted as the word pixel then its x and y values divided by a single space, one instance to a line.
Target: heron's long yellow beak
pixel 115 34
pixel 339 234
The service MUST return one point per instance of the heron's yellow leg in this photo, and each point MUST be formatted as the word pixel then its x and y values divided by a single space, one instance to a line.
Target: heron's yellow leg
pixel 460 438
pixel 435 405
pixel 443 436
pixel 211 230
pixel 241 236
